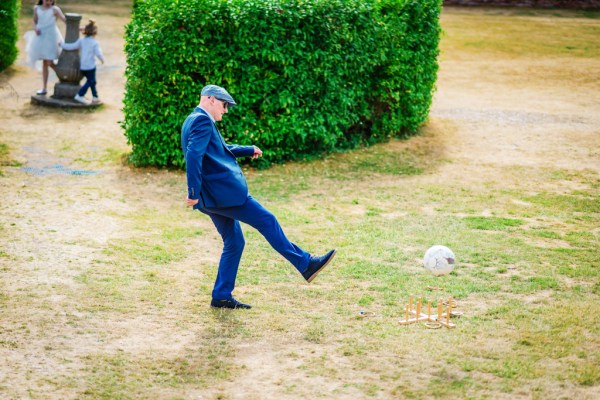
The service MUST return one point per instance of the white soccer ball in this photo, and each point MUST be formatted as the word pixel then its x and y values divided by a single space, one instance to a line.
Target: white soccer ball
pixel 439 260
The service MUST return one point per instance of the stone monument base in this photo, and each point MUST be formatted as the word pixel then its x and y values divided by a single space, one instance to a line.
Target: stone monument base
pixel 63 102
pixel 64 89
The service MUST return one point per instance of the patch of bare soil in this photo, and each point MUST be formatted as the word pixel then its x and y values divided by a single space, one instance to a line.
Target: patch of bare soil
pixel 488 115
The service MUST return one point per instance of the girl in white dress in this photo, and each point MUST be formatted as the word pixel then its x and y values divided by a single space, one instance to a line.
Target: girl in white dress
pixel 43 44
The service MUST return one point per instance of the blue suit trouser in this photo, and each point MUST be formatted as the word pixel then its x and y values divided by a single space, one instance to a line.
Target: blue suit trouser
pixel 226 220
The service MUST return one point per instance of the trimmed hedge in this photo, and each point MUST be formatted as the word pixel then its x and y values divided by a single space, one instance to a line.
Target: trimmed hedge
pixel 9 15
pixel 573 4
pixel 309 76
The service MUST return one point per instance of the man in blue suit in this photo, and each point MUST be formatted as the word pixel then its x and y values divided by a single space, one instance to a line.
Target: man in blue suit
pixel 217 187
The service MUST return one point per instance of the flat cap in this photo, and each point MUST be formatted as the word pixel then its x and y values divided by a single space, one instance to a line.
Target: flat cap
pixel 219 93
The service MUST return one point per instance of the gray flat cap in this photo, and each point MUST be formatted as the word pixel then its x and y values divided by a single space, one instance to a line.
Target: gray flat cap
pixel 219 93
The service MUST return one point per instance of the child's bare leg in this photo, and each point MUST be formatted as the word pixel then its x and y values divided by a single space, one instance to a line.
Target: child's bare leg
pixel 45 74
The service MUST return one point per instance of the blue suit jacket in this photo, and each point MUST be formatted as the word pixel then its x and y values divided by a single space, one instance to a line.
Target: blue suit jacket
pixel 214 176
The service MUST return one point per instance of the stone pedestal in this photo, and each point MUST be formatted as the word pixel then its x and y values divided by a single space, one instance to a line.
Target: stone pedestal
pixel 68 72
pixel 65 90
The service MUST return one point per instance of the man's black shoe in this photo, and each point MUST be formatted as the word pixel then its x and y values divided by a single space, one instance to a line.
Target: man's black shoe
pixel 316 265
pixel 231 303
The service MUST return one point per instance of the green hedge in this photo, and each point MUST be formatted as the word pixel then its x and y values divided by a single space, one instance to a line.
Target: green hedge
pixel 9 15
pixel 310 76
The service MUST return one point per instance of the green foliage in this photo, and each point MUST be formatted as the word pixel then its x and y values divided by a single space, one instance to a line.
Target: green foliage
pixel 9 14
pixel 310 77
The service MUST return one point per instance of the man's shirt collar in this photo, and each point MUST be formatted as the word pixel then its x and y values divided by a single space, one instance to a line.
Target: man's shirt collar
pixel 209 116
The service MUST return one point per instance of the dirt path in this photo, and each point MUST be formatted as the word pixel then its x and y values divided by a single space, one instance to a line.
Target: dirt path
pixel 491 115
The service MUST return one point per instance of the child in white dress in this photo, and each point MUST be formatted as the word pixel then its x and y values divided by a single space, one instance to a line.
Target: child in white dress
pixel 42 43
pixel 90 49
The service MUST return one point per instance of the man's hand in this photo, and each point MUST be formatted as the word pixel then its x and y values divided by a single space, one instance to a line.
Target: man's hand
pixel 257 152
pixel 191 202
